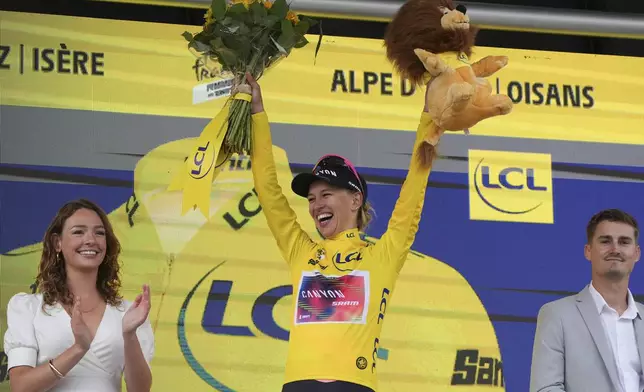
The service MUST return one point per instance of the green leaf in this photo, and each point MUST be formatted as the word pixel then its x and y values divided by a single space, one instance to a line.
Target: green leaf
pixel 231 26
pixel 270 21
pixel 258 13
pixel 263 40
pixel 228 58
pixel 217 43
pixel 288 38
pixel 240 13
pixel 257 31
pixel 302 27
pixel 227 22
pixel 203 37
pixel 288 31
pixel 237 9
pixel 279 47
pixel 210 28
pixel 240 44
pixel 200 42
pixel 301 43
pixel 199 46
pixel 240 27
pixel 279 9
pixel 218 8
pixel 312 22
pixel 187 36
pixel 287 43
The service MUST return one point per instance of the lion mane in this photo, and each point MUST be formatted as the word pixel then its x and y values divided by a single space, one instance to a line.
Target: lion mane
pixel 417 24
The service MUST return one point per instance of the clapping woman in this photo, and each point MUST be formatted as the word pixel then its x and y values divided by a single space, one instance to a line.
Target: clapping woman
pixel 77 333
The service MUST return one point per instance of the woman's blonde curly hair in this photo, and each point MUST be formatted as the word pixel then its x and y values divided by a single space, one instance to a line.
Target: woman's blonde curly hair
pixel 52 277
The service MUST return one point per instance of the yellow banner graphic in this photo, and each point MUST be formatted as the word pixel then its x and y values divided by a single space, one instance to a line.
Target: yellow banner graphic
pixel 221 318
pixel 145 68
pixel 201 166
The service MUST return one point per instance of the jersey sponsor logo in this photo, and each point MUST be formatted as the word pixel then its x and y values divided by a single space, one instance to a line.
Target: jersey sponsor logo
pixel 347 261
pixel 510 186
pixel 332 299
pixel 361 363
pixel 314 262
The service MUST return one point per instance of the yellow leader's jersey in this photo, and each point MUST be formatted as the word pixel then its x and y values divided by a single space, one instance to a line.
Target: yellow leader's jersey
pixel 221 292
pixel 341 285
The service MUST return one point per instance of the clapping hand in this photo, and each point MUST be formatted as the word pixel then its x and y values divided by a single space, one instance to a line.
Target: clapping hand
pixel 138 312
pixel 82 335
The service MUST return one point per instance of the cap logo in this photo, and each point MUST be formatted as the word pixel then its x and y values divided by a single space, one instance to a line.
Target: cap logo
pixel 327 172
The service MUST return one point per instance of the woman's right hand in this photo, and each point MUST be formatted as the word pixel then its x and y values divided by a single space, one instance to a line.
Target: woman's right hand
pixel 257 103
pixel 81 331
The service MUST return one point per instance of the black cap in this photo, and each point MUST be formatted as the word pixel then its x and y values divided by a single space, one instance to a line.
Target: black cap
pixel 335 170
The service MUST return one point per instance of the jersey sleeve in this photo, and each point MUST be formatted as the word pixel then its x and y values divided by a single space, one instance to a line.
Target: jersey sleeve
pixel 20 342
pixel 403 224
pixel 281 219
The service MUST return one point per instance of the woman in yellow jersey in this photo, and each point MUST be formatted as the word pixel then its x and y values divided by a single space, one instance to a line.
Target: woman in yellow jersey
pixel 341 284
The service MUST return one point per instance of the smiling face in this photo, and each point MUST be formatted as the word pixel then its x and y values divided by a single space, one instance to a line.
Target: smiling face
pixel 333 209
pixel 612 251
pixel 82 241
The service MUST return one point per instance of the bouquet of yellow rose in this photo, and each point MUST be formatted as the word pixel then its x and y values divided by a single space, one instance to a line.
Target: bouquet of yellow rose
pixel 247 36
pixel 239 36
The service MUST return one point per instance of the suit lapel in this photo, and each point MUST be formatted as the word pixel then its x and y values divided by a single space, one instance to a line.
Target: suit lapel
pixel 590 315
pixel 638 323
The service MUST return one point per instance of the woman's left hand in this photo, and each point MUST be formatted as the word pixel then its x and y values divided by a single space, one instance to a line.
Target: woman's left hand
pixel 138 312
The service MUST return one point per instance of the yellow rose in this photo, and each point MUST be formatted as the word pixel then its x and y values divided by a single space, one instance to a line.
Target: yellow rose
pixel 210 19
pixel 292 16
pixel 246 3
pixel 268 4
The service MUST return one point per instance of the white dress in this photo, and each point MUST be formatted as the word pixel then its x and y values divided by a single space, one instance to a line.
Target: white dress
pixel 33 338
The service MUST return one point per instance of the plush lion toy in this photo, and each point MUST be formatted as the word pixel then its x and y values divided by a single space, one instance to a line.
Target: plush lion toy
pixel 430 42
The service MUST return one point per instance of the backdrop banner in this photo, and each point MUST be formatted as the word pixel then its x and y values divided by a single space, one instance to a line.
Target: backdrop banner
pixel 108 109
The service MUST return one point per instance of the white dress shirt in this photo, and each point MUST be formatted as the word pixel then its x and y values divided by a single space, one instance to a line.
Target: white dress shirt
pixel 33 338
pixel 621 336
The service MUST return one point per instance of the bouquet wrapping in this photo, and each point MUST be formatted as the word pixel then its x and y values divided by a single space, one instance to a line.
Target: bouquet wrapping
pixel 238 36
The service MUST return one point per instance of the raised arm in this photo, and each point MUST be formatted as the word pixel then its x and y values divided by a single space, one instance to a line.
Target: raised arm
pixel 403 224
pixel 281 219
pixel 547 369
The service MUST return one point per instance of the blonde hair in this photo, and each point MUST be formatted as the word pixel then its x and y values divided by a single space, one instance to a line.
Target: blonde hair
pixel 365 215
